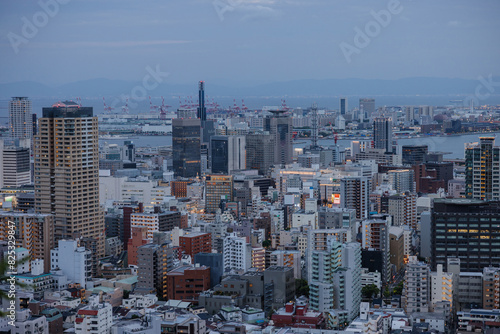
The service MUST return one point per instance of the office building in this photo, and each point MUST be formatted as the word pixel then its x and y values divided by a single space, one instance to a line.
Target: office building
pixel 156 222
pixel 154 262
pixel 74 261
pixel 482 170
pixel 343 105
pixel 355 194
pixel 416 291
pixel 196 242
pixel 20 118
pixel 466 229
pixel 186 147
pixel 187 282
pixel 403 209
pixel 382 133
pixel 375 237
pixel 287 258
pixel 15 162
pixel 280 127
pixel 138 239
pixel 279 287
pixel 215 262
pixel 367 107
pixel 217 188
pixel 67 172
pixel 491 288
pixel 402 180
pixel 260 151
pixel 228 154
pixel 414 154
pixel 33 231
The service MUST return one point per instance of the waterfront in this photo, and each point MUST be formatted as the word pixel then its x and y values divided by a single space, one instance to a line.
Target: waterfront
pixel 453 144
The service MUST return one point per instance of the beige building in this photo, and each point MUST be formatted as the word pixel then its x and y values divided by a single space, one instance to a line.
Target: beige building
pixel 35 232
pixel 217 188
pixel 67 173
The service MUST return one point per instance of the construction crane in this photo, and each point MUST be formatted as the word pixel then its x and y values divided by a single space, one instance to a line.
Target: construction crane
pixel 335 137
pixel 79 101
pixel 152 108
pixel 163 109
pixel 106 108
pixel 125 107
pixel 243 106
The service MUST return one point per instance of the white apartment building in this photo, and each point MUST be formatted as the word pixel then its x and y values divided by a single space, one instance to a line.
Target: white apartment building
pixel 442 286
pixel 237 253
pixel 416 290
pixel 95 319
pixel 74 261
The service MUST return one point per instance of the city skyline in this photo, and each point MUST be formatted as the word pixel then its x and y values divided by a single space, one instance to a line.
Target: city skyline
pixel 251 42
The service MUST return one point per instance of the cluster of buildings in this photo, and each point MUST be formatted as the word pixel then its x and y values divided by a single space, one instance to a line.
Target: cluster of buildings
pixel 232 230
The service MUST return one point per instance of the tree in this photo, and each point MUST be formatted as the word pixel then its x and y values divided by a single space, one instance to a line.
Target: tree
pixel 369 291
pixel 5 278
pixel 398 290
pixel 301 288
pixel 266 243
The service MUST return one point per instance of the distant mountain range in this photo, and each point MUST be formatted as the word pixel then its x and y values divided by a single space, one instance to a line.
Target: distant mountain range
pixel 296 88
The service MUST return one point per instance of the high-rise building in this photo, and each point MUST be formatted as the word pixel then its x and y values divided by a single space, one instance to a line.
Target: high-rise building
pixel 202 110
pixel 67 172
pixel 186 147
pixel 416 291
pixel 382 133
pixel 73 260
pixel 343 105
pixel 196 242
pixel 33 231
pixel 20 119
pixel 237 253
pixel 375 236
pixel 442 287
pixel 465 229
pixel 260 151
pixel 15 163
pixel 402 180
pixel 336 278
pixel 217 188
pixel 414 154
pixel 187 282
pixel 367 107
pixel 482 170
pixel 154 262
pixel 280 127
pixel 403 209
pixel 228 154
pixel 355 194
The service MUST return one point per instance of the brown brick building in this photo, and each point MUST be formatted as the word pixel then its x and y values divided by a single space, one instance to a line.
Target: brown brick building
pixel 195 243
pixel 186 283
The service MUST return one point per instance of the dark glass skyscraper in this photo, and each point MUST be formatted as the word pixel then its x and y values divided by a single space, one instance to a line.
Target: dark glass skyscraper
pixel 186 147
pixel 202 111
pixel 280 127
pixel 382 133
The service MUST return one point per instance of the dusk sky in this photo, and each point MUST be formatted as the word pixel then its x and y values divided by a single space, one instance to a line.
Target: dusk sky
pixel 247 41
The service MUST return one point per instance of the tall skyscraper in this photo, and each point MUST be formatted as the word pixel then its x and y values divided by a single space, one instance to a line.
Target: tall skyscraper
pixel 20 119
pixel 15 162
pixel 260 151
pixel 367 107
pixel 186 147
pixel 382 133
pixel 228 154
pixel 217 188
pixel 280 127
pixel 67 172
pixel 202 111
pixel 355 194
pixel 482 170
pixel 343 105
pixel 467 229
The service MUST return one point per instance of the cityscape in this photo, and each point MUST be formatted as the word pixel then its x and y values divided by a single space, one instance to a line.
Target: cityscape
pixel 191 203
